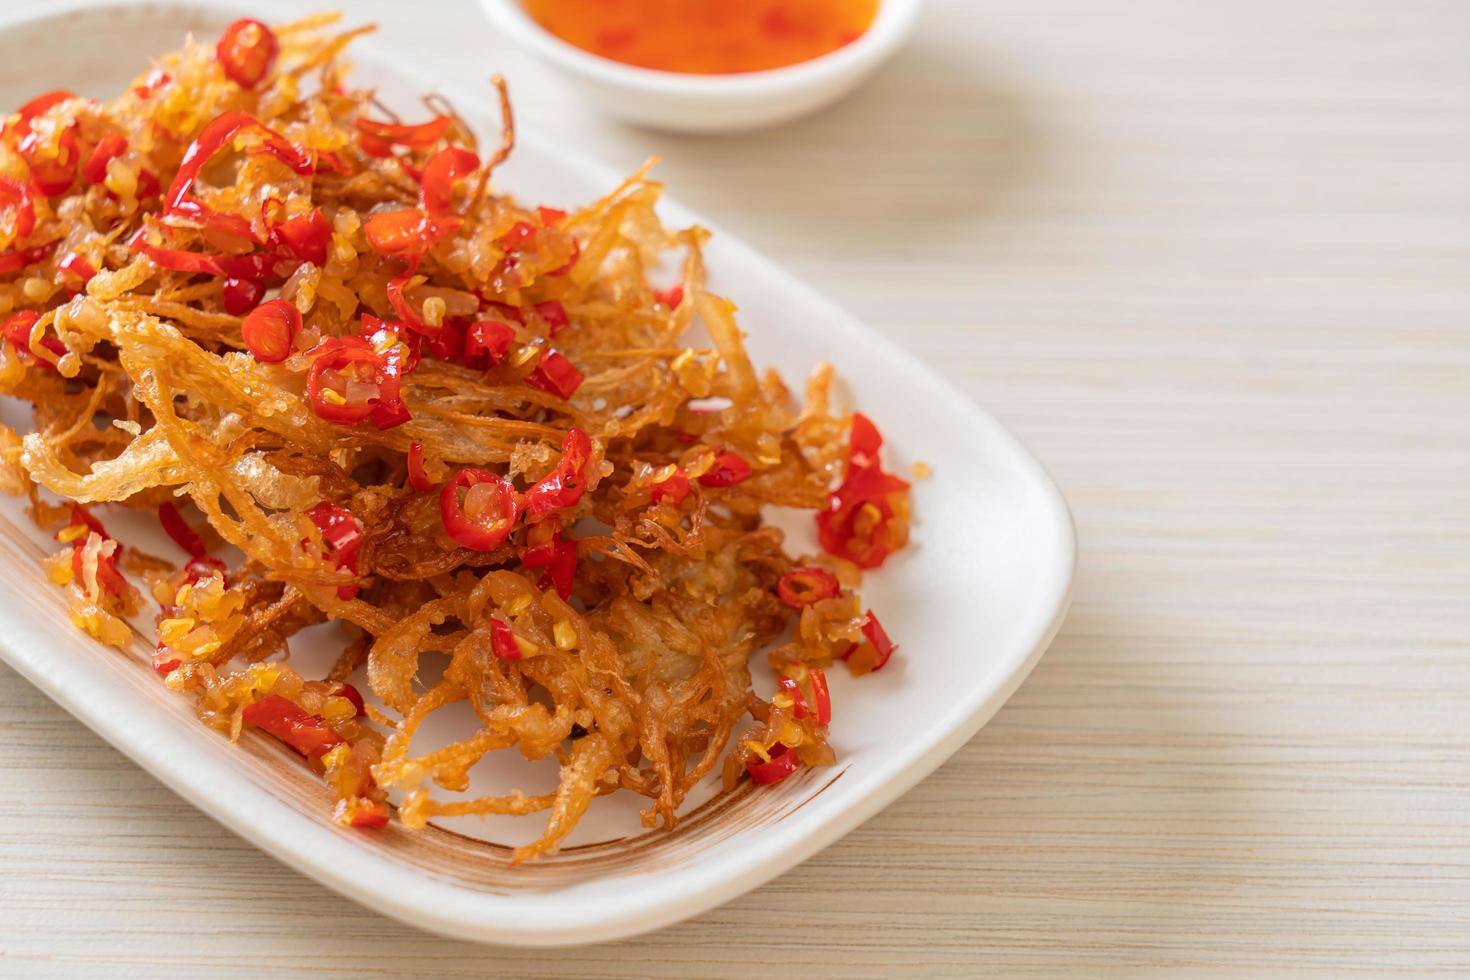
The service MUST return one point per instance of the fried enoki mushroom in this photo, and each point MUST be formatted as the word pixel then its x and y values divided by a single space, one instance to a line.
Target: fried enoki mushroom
pixel 360 385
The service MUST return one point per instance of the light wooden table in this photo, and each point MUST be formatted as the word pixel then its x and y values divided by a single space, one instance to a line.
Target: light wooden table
pixel 1212 262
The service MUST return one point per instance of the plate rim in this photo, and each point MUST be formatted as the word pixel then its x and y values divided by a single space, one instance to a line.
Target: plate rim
pixel 248 809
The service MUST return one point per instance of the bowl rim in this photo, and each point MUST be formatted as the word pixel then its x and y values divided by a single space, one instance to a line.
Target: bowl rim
pixel 894 20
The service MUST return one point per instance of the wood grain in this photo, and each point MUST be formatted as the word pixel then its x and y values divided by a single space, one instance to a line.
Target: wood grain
pixel 1212 262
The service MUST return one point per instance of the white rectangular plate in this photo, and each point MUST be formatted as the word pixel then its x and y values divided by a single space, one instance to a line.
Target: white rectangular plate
pixel 974 601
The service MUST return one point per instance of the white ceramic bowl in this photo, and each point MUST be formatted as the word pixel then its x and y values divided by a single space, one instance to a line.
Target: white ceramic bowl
pixel 711 103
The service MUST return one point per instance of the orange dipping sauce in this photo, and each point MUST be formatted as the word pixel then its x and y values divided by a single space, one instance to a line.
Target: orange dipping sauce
pixel 706 37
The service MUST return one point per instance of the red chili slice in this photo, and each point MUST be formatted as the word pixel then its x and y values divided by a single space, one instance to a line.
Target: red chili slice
pixel 355 696
pixel 821 695
pixel 307 733
pixel 350 382
pixel 801 587
pixel 401 305
pixel 176 260
pixel 417 477
pixel 152 82
pixel 272 211
pixel 17 330
pixel 405 310
pixel 109 579
pixel 858 522
pixel 440 174
pixel 418 135
pixel 520 234
pixel 270 330
pixel 329 161
pixel 257 265
pixel 878 637
pixel 148 185
pixel 374 147
pixel 540 544
pixel 76 555
pixel 179 530
pixel 52 173
pixel 670 297
pixel 488 511
pixel 204 567
pixel 219 133
pixel 368 814
pixel 555 375
pixel 727 470
pixel 246 52
pixel 415 174
pixel 820 703
pixel 503 641
pixel 784 761
pixel 486 342
pixel 561 573
pixel 109 147
pixel 551 216
pixel 565 484
pixel 863 443
pixel 449 343
pixel 42 103
pixel 343 537
pixel 390 411
pixel 216 135
pixel 16 196
pixel 16 261
pixel 76 268
pixel 307 236
pixel 673 488
pixel 81 515
pixel 554 314
pixel 230 224
pixel 241 295
pixel 390 335
pixel 799 707
pixel 407 233
pixel 338 526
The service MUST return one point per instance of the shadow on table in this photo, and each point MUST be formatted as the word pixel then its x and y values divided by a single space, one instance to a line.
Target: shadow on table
pixel 931 141
pixel 1103 818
